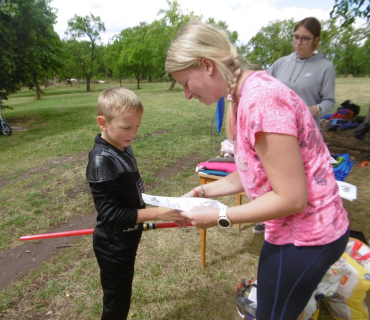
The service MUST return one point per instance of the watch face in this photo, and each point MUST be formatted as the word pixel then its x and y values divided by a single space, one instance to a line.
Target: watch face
pixel 224 223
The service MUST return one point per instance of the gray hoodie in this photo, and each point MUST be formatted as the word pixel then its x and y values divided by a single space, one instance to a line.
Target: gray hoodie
pixel 313 79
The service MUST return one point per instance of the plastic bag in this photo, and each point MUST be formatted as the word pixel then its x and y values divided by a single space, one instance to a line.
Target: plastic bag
pixel 246 298
pixel 348 301
pixel 326 288
pixel 227 148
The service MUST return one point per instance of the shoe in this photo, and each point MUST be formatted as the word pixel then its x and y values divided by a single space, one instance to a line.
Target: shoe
pixel 259 228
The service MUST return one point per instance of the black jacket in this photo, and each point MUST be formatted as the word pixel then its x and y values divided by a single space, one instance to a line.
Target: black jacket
pixel 115 184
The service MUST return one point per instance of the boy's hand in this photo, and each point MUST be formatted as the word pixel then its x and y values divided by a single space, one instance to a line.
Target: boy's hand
pixel 168 214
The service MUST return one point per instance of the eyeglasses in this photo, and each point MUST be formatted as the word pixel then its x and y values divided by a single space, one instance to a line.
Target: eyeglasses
pixel 304 40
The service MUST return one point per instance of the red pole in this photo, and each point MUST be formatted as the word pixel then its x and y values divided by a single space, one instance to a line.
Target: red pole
pixel 146 226
pixel 58 234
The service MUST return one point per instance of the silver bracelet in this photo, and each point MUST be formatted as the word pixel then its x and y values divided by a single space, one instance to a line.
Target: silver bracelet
pixel 202 194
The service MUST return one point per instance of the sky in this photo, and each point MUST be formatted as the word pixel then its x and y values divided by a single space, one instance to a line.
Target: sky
pixel 246 17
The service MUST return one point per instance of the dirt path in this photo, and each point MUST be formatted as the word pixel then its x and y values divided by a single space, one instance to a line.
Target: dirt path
pixel 17 262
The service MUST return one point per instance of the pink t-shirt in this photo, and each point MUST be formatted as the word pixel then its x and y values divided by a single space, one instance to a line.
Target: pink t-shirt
pixel 267 105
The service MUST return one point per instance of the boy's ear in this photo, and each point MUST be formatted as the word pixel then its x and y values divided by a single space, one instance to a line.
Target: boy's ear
pixel 102 123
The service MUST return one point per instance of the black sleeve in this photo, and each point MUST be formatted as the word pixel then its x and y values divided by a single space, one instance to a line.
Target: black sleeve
pixel 101 168
pixel 110 210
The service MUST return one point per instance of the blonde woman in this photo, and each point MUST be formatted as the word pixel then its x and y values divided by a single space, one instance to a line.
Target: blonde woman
pixel 283 165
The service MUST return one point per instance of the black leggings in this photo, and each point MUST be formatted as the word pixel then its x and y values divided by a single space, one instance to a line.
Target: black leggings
pixel 116 258
pixel 288 275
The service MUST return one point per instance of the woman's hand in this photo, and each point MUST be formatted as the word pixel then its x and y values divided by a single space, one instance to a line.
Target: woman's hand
pixel 190 194
pixel 314 109
pixel 202 217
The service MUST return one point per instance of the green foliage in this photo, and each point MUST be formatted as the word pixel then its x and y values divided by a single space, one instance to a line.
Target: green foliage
pixel 347 48
pixel 136 54
pixel 233 35
pixel 84 53
pixel 30 47
pixel 271 43
pixel 348 10
pixel 141 51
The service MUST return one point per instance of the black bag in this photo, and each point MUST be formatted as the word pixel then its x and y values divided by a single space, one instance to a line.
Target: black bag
pixel 361 130
pixel 349 104
pixel 357 235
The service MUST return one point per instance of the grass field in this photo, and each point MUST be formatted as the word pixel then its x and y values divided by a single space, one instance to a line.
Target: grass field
pixel 42 184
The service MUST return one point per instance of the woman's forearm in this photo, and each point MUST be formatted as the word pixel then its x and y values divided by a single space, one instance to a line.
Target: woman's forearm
pixel 266 207
pixel 228 185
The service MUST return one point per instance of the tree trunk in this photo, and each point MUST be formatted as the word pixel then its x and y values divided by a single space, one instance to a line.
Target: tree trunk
pixel 88 83
pixel 37 87
pixel 367 118
pixel 150 79
pixel 46 83
pixel 173 82
pixel 138 84
pixel 120 81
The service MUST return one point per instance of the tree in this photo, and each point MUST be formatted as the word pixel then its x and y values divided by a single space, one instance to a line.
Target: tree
pixel 349 10
pixel 111 58
pixel 329 38
pixel 271 43
pixel 85 52
pixel 30 48
pixel 233 35
pixel 75 52
pixel 347 45
pixel 172 21
pixel 141 51
pixel 136 55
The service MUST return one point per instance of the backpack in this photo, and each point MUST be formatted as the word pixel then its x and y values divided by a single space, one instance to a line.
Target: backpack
pixel 350 105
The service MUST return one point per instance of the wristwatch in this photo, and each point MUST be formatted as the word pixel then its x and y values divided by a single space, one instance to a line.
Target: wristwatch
pixel 319 107
pixel 223 221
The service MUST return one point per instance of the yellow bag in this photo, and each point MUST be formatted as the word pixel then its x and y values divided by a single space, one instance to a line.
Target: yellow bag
pixel 347 302
pixel 316 314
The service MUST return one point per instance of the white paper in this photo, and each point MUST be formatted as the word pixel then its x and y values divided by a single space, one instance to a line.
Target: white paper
pixel 253 297
pixel 332 160
pixel 183 204
pixel 347 191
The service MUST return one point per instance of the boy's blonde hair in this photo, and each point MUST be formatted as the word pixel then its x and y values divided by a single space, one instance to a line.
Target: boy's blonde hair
pixel 113 101
pixel 198 40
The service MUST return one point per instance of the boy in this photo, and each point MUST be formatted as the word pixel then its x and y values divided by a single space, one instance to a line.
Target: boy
pixel 116 188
